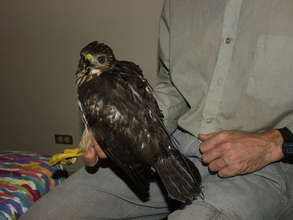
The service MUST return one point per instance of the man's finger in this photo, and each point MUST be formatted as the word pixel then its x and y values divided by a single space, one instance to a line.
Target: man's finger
pixel 90 157
pixel 217 165
pixel 227 172
pixel 204 137
pixel 98 149
pixel 211 142
pixel 213 154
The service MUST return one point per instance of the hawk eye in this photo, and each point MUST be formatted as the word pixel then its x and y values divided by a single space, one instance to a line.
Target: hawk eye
pixel 102 59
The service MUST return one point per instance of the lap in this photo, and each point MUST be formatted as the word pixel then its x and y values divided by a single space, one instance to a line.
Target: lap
pixel 103 195
pixel 264 194
pixel 96 196
pixel 261 195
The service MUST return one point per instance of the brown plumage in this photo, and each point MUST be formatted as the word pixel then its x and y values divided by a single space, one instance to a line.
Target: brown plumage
pixel 121 112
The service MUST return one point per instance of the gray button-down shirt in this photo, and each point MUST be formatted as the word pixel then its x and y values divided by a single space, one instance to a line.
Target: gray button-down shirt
pixel 226 65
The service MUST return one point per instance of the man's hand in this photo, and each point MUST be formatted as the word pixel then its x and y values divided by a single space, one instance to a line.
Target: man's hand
pixel 93 153
pixel 237 152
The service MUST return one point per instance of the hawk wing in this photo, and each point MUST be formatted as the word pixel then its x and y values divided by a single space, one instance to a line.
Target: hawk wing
pixel 115 113
pixel 140 87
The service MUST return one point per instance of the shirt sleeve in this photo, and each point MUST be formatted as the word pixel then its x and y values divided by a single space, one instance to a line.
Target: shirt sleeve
pixel 290 127
pixel 169 99
pixel 285 121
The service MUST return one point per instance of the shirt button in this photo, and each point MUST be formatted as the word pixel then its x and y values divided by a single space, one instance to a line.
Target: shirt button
pixel 228 40
pixel 209 120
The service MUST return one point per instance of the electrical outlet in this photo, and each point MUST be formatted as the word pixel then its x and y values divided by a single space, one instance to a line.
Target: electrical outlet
pixel 63 139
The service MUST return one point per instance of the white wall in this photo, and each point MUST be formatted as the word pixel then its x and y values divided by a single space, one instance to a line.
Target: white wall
pixel 39 49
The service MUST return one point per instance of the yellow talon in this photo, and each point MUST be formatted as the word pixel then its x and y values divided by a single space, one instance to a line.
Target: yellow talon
pixel 69 156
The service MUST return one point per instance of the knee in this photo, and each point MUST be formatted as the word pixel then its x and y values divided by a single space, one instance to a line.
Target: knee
pixel 201 210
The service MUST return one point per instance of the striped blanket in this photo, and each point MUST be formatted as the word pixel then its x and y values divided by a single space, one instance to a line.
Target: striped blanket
pixel 24 178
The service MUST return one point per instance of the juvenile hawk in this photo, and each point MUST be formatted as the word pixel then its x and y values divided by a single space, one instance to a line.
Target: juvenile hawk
pixel 123 116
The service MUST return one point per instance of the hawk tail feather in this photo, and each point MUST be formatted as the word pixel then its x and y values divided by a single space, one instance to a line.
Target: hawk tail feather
pixel 179 179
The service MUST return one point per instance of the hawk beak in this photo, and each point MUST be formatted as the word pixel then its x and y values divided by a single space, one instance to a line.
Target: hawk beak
pixel 89 58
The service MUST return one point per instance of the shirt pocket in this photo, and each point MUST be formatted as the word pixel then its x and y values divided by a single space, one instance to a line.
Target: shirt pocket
pixel 271 77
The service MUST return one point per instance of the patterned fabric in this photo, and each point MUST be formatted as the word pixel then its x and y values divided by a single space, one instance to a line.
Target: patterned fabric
pixel 24 178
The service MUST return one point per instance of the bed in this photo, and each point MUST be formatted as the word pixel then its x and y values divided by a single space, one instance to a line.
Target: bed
pixel 24 178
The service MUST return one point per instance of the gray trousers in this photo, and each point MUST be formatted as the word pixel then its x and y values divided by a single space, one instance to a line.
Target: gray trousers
pixel 264 194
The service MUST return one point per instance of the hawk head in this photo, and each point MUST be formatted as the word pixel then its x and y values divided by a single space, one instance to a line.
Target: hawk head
pixel 95 58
